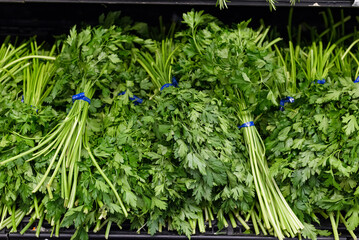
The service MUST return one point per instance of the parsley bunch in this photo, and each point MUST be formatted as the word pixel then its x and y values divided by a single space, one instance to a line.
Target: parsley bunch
pixel 195 137
pixel 241 68
pixel 313 152
pixel 89 60
pixel 19 119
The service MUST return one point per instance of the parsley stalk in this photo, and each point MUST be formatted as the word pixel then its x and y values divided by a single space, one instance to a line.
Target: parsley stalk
pixel 37 77
pixel 351 232
pixel 276 213
pixel 86 146
pixel 107 233
pixel 3 215
pixel 334 225
pixel 9 54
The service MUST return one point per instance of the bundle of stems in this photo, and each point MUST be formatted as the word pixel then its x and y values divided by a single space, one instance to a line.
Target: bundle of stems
pixel 9 64
pixel 275 211
pixel 13 59
pixel 159 68
pixel 37 77
pixel 66 140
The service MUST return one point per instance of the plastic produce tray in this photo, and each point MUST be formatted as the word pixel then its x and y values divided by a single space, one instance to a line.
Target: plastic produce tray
pixel 125 233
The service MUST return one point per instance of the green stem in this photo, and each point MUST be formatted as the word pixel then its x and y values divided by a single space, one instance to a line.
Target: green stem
pixel 8 222
pixel 57 231
pixel 68 138
pixel 28 57
pixel 64 184
pixel 193 225
pixel 31 222
pixel 107 233
pixel 255 225
pixel 38 228
pixel 159 227
pixel 74 187
pixel 240 219
pixel 334 226
pixel 351 232
pixel 206 214
pixel 38 186
pixel 3 216
pixel 201 225
pixel 264 231
pixel 52 231
pixel 103 224
pixel 97 227
pixel 169 225
pixel 32 149
pixel 232 220
pixel 107 180
pixel 18 221
pixel 211 217
pixel 36 205
pixel 13 219
pixel 324 215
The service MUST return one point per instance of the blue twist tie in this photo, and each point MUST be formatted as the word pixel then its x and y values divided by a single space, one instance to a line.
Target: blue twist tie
pixel 320 81
pixel 247 124
pixel 22 100
pixel 285 100
pixel 174 84
pixel 81 96
pixel 136 100
pixel 356 80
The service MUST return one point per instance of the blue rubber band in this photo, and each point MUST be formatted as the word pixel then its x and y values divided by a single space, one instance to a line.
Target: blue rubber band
pixel 356 80
pixel 284 101
pixel 22 100
pixel 320 81
pixel 136 100
pixel 247 124
pixel 174 84
pixel 81 96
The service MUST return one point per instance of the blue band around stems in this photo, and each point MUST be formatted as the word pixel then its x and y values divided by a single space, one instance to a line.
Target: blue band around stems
pixel 356 80
pixel 174 84
pixel 247 124
pixel 22 100
pixel 81 96
pixel 284 101
pixel 320 81
pixel 136 100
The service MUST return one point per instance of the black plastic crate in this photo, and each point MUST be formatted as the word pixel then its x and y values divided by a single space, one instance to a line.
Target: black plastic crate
pixel 229 233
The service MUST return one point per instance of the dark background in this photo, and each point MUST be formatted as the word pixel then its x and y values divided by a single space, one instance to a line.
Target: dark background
pixel 48 19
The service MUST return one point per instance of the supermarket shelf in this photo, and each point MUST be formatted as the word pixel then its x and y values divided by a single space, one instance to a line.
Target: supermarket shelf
pixel 134 236
pixel 125 233
pixel 302 3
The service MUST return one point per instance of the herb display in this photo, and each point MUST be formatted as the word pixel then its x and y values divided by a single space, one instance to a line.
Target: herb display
pixel 203 128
